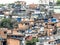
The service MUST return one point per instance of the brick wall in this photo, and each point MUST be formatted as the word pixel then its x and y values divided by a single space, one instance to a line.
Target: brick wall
pixel 13 42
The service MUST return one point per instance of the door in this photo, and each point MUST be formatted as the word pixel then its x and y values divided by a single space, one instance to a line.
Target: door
pixel 4 43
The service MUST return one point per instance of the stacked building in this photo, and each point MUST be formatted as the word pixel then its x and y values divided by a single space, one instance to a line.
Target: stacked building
pixel 34 20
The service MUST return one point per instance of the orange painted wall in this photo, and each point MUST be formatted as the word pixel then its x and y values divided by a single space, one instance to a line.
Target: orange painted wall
pixel 13 42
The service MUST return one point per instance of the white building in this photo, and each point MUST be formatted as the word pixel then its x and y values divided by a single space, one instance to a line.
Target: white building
pixel 57 9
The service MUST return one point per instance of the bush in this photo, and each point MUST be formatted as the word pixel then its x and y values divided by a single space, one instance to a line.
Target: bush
pixel 6 23
pixel 32 42
pixel 58 2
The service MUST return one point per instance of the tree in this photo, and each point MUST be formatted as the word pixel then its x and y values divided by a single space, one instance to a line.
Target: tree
pixel 6 23
pixel 2 5
pixel 32 42
pixel 58 2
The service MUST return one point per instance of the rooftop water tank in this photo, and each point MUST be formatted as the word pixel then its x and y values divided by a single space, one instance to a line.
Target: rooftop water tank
pixel 45 20
pixel 54 20
pixel 19 19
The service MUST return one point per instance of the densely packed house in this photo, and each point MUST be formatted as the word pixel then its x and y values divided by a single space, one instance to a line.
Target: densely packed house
pixel 30 21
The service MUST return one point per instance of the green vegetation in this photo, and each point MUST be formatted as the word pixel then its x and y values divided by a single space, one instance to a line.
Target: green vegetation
pixel 6 23
pixel 2 5
pixel 58 2
pixel 32 42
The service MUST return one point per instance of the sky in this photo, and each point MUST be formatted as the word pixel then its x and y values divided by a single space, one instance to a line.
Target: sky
pixel 27 1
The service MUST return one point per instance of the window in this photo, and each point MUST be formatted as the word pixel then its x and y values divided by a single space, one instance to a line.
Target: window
pixel 26 23
pixel 5 32
pixel 45 23
pixel 18 6
pixel 21 31
pixel 52 24
pixel 51 3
